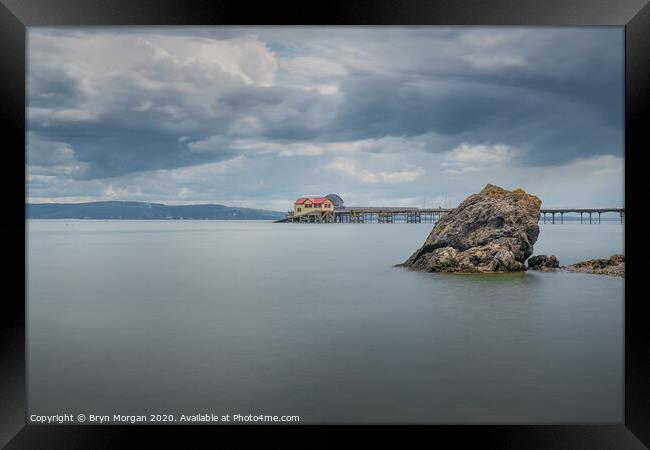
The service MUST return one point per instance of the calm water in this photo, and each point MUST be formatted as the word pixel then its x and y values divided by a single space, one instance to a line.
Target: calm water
pixel 186 317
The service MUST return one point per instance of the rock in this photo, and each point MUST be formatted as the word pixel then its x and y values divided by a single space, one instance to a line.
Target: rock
pixel 492 231
pixel 443 259
pixel 543 262
pixel 613 266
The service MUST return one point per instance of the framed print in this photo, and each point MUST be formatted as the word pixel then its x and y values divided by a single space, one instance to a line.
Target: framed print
pixel 378 217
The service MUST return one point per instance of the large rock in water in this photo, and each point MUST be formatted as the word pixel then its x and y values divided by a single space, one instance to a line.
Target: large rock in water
pixel 492 231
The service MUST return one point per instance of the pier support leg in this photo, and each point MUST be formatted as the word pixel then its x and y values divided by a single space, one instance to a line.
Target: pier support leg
pixel 580 217
pixel 599 217
pixel 561 217
pixel 589 218
pixel 544 217
pixel 553 218
pixel 621 214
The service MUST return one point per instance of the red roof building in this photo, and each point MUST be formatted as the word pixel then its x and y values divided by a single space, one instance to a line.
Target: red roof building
pixel 314 200
pixel 307 204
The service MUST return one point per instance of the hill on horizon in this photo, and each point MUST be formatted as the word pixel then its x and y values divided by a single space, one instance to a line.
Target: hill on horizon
pixel 145 210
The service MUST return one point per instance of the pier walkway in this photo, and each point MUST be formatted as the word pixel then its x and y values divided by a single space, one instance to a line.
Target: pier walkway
pixel 385 214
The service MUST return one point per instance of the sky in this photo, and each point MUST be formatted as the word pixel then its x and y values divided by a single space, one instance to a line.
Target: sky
pixel 383 116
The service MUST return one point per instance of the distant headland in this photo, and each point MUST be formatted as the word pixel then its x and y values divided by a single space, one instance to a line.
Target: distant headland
pixel 112 210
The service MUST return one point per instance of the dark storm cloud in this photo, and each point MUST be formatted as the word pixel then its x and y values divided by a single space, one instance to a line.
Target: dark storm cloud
pixel 116 151
pixel 378 106
pixel 112 102
pixel 564 102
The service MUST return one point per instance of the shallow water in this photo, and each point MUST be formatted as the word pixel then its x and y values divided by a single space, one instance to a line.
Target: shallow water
pixel 186 317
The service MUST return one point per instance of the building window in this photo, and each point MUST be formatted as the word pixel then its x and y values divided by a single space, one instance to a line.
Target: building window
pixel 299 209
pixel 307 206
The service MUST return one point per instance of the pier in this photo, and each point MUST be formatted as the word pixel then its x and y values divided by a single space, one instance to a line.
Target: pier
pixel 584 213
pixel 381 214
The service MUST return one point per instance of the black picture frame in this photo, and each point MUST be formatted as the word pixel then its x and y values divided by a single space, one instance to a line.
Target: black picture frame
pixel 17 15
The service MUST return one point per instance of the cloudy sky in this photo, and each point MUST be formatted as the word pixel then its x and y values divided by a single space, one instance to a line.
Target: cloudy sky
pixel 257 117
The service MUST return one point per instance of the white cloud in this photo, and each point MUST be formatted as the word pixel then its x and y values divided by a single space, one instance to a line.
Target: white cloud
pixel 32 178
pixel 184 192
pixel 595 181
pixel 349 168
pixel 212 144
pixel 490 49
pixel 64 199
pixel 343 166
pixel 387 144
pixel 312 66
pixel 362 179
pixel 301 150
pixel 491 61
pixel 475 157
pixel 115 192
pixel 48 115
pixel 199 173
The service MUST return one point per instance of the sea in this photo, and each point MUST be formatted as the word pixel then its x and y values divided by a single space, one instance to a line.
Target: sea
pixel 313 320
